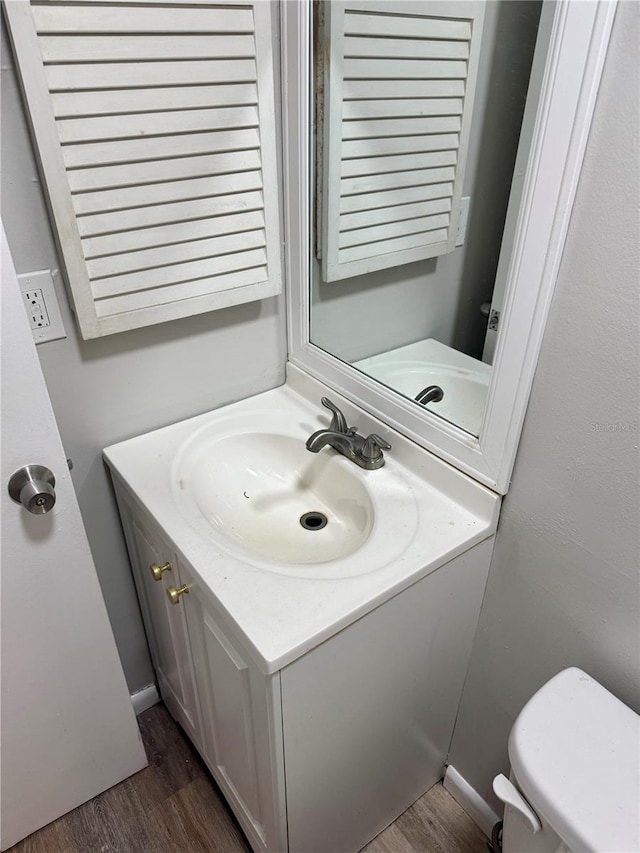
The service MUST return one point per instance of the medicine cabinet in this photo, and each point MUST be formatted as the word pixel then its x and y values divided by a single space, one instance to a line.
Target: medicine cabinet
pixel 565 73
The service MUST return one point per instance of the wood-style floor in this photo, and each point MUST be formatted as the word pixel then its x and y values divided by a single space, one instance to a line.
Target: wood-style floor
pixel 173 806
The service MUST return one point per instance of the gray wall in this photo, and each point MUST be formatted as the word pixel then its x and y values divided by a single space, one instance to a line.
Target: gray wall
pixel 441 298
pixel 106 390
pixel 564 585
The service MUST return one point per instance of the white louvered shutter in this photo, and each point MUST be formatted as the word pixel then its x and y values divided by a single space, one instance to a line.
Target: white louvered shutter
pixel 155 128
pixel 399 85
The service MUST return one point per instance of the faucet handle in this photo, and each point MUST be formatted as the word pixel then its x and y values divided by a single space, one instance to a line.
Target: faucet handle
pixel 338 421
pixel 373 447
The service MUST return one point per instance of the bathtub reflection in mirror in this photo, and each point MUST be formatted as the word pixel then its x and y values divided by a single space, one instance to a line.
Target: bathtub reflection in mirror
pixel 418 113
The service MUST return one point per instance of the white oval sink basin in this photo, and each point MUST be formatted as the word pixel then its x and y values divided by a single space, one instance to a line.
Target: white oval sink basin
pixel 253 489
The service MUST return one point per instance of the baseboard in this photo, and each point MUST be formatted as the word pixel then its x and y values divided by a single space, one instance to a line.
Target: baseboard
pixel 478 809
pixel 145 698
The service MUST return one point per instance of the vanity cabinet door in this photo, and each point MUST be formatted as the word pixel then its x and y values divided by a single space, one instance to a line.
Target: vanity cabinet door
pixel 166 626
pixel 234 697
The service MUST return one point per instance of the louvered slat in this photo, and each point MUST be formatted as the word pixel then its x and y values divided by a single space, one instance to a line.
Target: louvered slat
pixel 376 233
pixel 402 244
pixel 96 128
pixel 395 213
pixel 177 232
pixel 358 89
pixel 381 200
pixel 401 108
pixel 381 146
pixel 124 175
pixel 123 198
pixel 153 299
pixel 390 23
pixel 405 48
pixel 400 69
pixel 398 98
pixel 153 121
pixel 176 273
pixel 72 104
pixel 171 254
pixel 157 148
pixel 159 214
pixel 50 18
pixel 122 75
pixel 401 163
pixel 419 129
pixel 56 49
pixel 396 180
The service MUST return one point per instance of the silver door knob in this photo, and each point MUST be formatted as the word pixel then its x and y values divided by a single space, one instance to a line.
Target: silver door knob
pixel 32 486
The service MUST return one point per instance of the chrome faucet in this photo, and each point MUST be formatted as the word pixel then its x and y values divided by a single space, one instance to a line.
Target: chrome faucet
pixel 365 452
pixel 430 394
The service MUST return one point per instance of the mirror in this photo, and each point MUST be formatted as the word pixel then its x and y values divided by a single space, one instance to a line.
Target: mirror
pixel 416 123
pixel 567 65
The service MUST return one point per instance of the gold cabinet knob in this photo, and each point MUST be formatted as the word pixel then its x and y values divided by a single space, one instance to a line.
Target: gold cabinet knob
pixel 157 570
pixel 174 594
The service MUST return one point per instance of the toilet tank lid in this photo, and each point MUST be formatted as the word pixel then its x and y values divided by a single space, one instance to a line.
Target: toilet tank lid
pixel 575 753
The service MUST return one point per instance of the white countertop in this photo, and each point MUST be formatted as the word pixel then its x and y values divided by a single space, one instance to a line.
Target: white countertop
pixel 282 616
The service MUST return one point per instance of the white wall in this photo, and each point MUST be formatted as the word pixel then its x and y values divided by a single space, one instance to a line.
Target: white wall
pixel 564 584
pixel 441 298
pixel 110 389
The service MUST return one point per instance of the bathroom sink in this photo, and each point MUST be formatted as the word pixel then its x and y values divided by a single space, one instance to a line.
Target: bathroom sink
pixel 228 490
pixel 258 494
pixel 266 494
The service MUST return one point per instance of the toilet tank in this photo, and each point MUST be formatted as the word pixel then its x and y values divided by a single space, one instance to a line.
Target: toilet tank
pixel 575 757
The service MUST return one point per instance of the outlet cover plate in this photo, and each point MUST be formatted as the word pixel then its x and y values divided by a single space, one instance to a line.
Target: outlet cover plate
pixel 42 280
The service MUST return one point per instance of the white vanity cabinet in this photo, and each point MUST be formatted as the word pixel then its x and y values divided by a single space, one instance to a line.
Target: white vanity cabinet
pixel 321 692
pixel 321 755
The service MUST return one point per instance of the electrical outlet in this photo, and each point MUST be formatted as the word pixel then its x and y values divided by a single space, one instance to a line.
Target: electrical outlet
pixel 41 305
pixel 36 309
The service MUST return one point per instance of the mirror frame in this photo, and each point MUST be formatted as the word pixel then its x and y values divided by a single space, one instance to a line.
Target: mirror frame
pixel 577 49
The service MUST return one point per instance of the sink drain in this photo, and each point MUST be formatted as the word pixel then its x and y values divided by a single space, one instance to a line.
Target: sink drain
pixel 313 520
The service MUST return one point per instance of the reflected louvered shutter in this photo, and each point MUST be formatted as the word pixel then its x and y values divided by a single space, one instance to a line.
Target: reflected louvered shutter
pixel 155 128
pixel 399 84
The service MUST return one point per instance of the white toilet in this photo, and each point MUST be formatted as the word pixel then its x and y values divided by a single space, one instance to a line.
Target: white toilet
pixel 575 772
